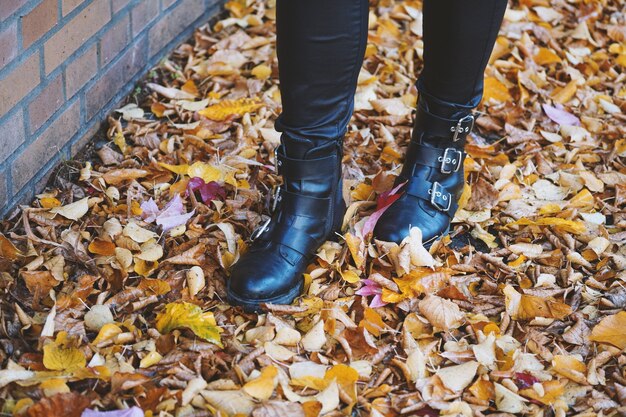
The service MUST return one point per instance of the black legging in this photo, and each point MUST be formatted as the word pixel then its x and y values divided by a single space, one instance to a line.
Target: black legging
pixel 321 43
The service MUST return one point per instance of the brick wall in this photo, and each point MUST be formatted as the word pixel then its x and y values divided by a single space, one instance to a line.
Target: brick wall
pixel 64 64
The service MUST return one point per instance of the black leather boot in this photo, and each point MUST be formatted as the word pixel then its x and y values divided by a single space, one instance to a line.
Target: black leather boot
pixel 308 209
pixel 433 172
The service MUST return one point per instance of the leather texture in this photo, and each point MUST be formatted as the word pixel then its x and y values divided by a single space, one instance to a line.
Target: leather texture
pixel 433 176
pixel 309 209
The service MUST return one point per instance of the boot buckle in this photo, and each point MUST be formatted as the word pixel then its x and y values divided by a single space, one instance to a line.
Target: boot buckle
pixel 439 198
pixel 276 197
pixel 260 230
pixel 450 161
pixel 462 127
pixel 277 161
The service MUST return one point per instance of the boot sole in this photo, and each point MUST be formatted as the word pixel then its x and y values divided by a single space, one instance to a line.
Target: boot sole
pixel 253 305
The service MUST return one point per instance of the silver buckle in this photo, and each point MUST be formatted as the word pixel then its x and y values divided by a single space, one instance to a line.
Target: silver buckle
pixel 435 194
pixel 458 129
pixel 260 230
pixel 277 162
pixel 446 159
pixel 276 197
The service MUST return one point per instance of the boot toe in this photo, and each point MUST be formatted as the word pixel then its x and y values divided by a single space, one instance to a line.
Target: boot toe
pixel 263 278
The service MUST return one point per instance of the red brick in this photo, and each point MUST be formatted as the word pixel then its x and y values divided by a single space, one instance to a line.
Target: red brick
pixel 8 7
pixel 115 78
pixel 38 22
pixel 13 135
pixel 86 138
pixel 47 102
pixel 21 81
pixel 175 22
pixel 68 5
pixel 144 13
pixel 75 33
pixel 114 40
pixel 119 5
pixel 8 45
pixel 45 147
pixel 80 71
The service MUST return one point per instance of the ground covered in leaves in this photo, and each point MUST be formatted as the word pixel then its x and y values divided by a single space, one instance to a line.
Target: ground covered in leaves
pixel 113 279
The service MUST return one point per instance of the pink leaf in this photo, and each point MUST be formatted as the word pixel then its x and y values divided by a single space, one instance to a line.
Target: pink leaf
pixel 170 222
pixel 129 412
pixel 377 302
pixel 372 288
pixel 560 116
pixel 382 203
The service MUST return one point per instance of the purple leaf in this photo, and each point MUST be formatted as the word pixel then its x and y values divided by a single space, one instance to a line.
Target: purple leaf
pixel 129 412
pixel 208 192
pixel 149 210
pixel 170 222
pixel 172 215
pixel 560 116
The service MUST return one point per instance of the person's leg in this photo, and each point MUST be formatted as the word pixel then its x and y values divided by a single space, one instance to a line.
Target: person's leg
pixel 458 39
pixel 320 46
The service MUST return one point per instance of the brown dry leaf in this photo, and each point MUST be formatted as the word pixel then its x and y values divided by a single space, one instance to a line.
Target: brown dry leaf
pixel 69 404
pixel 528 307
pixel 440 312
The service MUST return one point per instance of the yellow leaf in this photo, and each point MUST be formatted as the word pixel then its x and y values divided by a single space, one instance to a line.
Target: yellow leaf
pixel 190 87
pixel 545 56
pixel 144 268
pixel 495 90
pixel 158 109
pixel 552 391
pixel 372 321
pixel 570 367
pixel 346 378
pixel 106 333
pixel 49 202
pixel 572 226
pixel 349 276
pixel 63 355
pixel 357 249
pixel 551 208
pixel 584 199
pixel 182 314
pixel 54 386
pixel 120 141
pixel 611 330
pixel 261 72
pixel 205 171
pixel 176 169
pixel 566 93
pixel 150 359
pixel 226 108
pixel 263 387
pixel 465 196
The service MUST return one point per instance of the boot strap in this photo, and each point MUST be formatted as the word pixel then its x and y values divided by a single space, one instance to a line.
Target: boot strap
pixel 447 160
pixel 435 193
pixel 294 205
pixel 453 129
pixel 304 169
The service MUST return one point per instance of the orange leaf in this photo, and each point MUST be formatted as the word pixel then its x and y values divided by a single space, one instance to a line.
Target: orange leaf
pixel 611 330
pixel 102 247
